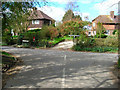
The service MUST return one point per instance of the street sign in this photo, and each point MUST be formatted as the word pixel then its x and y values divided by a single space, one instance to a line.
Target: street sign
pixel 75 35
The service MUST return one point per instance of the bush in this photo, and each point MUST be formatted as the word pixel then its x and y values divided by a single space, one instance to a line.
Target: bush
pixel 7 39
pixel 85 41
pixel 102 36
pixel 95 49
pixel 114 32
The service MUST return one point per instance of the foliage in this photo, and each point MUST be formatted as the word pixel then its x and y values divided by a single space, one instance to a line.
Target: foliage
pixel 71 27
pixel 68 16
pixel 114 32
pixel 49 32
pixel 7 38
pixel 55 41
pixel 68 37
pixel 7 61
pixel 95 49
pixel 100 30
pixel 42 37
pixel 110 42
pixel 100 36
pixel 15 15
pixel 85 41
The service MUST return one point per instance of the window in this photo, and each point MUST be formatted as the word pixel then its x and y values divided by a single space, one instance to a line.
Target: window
pixel 35 21
pixel 93 24
pixel 89 33
pixel 107 32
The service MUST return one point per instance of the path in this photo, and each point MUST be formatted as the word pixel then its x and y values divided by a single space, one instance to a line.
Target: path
pixel 64 45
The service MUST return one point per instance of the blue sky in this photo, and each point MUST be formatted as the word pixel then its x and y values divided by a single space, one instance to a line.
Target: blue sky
pixel 91 8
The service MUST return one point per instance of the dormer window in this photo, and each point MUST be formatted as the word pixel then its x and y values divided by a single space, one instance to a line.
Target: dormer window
pixel 35 21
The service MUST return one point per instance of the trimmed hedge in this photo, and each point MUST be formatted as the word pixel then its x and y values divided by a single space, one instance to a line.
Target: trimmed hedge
pixel 109 42
pixel 95 49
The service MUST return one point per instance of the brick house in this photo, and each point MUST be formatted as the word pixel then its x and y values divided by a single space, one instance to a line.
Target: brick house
pixel 109 22
pixel 37 19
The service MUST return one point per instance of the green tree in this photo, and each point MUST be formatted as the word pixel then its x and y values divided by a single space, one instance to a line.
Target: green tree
pixel 15 14
pixel 77 17
pixel 71 27
pixel 69 15
pixel 100 29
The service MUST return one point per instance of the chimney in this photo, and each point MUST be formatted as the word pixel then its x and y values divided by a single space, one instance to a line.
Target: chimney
pixel 112 14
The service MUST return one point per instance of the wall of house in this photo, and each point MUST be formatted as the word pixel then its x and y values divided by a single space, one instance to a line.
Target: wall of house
pixel 35 26
pixel 109 27
pixel 91 33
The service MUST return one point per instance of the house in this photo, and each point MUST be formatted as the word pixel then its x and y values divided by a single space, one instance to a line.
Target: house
pixel 88 29
pixel 37 19
pixel 109 22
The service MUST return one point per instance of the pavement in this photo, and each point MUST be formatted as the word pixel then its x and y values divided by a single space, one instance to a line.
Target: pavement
pixel 62 69
pixel 64 45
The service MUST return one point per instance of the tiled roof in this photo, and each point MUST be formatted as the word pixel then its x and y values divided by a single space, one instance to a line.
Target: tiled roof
pixel 37 14
pixel 106 19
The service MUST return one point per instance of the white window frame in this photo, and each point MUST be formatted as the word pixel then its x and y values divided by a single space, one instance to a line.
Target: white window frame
pixel 35 21
pixel 93 24
pixel 107 32
pixel 89 33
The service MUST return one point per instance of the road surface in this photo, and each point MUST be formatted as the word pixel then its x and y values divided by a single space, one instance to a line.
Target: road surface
pixel 62 69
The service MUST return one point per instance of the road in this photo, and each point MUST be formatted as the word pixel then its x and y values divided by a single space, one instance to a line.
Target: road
pixel 62 69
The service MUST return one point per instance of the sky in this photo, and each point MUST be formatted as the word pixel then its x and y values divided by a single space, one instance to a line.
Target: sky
pixel 90 8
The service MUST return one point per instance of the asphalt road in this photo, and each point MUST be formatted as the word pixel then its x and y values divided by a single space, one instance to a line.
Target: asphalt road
pixel 62 69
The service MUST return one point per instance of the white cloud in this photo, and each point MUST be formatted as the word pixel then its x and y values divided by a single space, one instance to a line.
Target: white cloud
pixel 81 1
pixel 86 2
pixel 55 13
pixel 62 1
pixel 107 6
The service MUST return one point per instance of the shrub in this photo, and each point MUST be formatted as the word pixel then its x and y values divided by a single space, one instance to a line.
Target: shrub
pixel 7 38
pixel 114 32
pixel 102 36
pixel 49 32
pixel 95 49
pixel 110 41
pixel 85 41
pixel 71 27
pixel 20 37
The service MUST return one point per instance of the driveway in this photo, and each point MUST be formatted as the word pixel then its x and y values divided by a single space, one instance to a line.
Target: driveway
pixel 62 69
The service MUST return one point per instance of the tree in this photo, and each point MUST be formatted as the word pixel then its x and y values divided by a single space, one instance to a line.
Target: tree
pixel 77 17
pixel 100 29
pixel 69 15
pixel 15 15
pixel 71 27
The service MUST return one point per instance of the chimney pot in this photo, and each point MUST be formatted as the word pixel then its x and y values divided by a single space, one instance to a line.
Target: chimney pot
pixel 112 14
